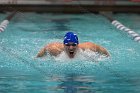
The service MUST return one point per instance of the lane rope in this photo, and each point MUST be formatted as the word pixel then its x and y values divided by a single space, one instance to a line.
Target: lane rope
pixel 26 62
pixel 121 27
pixel 113 72
pixel 5 22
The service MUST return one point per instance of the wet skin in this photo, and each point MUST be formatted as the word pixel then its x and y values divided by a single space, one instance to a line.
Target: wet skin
pixel 56 48
pixel 71 49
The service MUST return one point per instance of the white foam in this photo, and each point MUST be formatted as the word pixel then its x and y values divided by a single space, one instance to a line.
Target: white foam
pixel 86 55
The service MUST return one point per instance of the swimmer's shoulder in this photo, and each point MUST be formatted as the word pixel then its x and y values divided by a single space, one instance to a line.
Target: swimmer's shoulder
pixel 87 45
pixel 54 45
pixel 55 48
pixel 93 47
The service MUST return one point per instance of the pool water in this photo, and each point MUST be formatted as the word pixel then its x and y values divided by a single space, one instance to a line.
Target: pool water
pixel 27 33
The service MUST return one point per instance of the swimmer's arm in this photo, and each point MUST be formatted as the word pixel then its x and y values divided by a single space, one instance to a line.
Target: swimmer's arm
pixel 53 49
pixel 93 47
pixel 102 51
pixel 41 52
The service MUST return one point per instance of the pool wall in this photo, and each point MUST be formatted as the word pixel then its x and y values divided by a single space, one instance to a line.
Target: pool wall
pixel 70 6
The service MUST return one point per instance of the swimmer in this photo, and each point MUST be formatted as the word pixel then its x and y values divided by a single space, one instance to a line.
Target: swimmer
pixel 70 46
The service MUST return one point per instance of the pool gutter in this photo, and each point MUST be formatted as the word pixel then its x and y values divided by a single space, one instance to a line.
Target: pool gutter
pixel 58 8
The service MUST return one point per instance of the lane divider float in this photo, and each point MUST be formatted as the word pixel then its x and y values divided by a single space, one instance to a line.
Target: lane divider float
pixel 120 26
pixel 5 22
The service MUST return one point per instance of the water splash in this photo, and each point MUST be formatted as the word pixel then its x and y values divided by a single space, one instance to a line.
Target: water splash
pixel 81 55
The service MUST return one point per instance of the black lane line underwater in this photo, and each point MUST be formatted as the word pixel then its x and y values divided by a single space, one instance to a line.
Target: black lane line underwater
pixel 121 27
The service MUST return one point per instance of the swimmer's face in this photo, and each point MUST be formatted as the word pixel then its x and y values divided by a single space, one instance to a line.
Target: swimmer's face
pixel 71 49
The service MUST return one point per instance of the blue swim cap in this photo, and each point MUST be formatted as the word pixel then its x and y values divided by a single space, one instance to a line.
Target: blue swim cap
pixel 70 37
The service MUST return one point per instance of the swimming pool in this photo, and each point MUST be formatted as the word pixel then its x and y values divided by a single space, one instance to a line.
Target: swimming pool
pixel 28 32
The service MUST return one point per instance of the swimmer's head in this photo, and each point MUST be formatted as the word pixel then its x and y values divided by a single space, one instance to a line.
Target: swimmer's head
pixel 70 37
pixel 71 44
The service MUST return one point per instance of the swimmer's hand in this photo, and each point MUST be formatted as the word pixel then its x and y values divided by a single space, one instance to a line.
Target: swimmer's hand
pixel 104 51
pixel 41 53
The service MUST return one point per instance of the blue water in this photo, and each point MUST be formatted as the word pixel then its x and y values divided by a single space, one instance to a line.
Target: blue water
pixel 27 33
